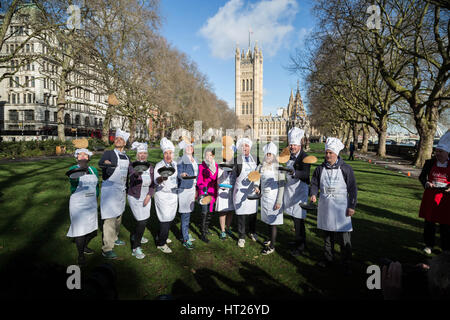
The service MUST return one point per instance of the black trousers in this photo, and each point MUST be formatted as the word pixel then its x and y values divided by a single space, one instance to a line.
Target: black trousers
pixel 242 218
pixel 83 241
pixel 429 235
pixel 164 228
pixel 138 233
pixel 345 243
pixel 300 232
pixel 206 219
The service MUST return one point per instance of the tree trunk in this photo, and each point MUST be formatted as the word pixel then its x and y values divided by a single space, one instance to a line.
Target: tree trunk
pixel 426 125
pixel 61 102
pixel 132 129
pixel 365 143
pixel 107 124
pixel 382 134
pixel 348 137
pixel 355 135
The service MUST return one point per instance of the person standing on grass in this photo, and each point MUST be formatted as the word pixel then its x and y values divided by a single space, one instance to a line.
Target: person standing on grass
pixel 245 208
pixel 271 186
pixel 338 192
pixel 224 202
pixel 207 186
pixel 187 166
pixel 114 164
pixel 83 205
pixel 296 190
pixel 166 195
pixel 140 190
pixel 352 151
pixel 435 206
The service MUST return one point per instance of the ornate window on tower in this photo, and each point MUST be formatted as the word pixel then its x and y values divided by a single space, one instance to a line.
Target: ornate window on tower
pixel 243 85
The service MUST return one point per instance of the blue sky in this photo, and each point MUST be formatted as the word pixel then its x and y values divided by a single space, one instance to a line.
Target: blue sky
pixel 208 30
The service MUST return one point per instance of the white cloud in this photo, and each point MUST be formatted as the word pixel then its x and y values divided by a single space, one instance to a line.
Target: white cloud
pixel 270 21
pixel 302 34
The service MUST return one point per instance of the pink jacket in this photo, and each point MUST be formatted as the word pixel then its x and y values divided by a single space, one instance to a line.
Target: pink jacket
pixel 207 179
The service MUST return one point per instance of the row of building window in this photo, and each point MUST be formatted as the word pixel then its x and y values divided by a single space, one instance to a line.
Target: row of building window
pixel 247 108
pixel 29 82
pixel 14 47
pixel 247 85
pixel 14 98
pixel 28 115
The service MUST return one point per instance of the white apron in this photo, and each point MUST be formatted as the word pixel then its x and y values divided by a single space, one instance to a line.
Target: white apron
pixel 137 205
pixel 243 188
pixel 333 202
pixel 112 199
pixel 186 197
pixel 83 207
pixel 295 192
pixel 269 190
pixel 166 195
pixel 224 201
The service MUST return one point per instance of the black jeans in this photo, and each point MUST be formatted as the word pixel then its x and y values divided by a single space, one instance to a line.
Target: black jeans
pixel 429 235
pixel 300 232
pixel 344 239
pixel 138 233
pixel 164 228
pixel 83 241
pixel 242 222
pixel 206 219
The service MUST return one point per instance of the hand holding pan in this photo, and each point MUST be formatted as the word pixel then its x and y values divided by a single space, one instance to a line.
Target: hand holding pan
pixel 166 172
pixel 226 166
pixel 253 177
pixel 76 173
pixel 106 165
pixel 188 177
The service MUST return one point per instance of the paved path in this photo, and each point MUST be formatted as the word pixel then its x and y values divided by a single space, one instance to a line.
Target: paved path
pixel 393 163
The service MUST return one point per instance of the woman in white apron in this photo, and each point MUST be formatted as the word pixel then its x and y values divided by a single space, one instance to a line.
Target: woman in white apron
pixel 187 167
pixel 140 191
pixel 296 190
pixel 224 201
pixel 113 193
pixel 83 205
pixel 243 187
pixel 336 181
pixel 271 186
pixel 166 195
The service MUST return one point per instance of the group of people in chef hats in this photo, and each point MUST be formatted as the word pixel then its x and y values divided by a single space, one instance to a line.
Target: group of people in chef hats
pixel 228 189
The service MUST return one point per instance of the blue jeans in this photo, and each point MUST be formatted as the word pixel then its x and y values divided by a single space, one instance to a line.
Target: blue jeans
pixel 185 219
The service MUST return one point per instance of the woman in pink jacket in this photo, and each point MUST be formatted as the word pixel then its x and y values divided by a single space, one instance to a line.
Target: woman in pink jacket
pixel 207 186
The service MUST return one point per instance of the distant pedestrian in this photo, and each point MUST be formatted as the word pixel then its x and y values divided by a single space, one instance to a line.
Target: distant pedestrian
pixel 352 150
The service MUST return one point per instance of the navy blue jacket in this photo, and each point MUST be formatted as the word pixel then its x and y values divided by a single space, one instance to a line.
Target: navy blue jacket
pixel 187 168
pixel 349 178
pixel 111 156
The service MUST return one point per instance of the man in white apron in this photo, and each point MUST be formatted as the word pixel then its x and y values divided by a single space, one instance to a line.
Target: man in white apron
pixel 271 186
pixel 187 167
pixel 243 187
pixel 166 195
pixel 113 193
pixel 296 190
pixel 83 205
pixel 140 190
pixel 224 203
pixel 336 181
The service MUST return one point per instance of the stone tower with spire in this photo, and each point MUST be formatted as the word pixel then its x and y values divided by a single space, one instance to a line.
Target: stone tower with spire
pixel 249 87
pixel 296 111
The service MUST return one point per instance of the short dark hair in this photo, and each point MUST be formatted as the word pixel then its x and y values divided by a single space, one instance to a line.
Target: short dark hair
pixel 210 150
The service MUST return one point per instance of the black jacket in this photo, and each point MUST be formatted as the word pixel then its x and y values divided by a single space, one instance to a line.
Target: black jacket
pixel 349 178
pixel 302 170
pixel 111 156
pixel 423 177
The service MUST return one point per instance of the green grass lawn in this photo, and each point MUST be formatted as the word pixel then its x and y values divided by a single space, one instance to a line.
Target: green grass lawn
pixel 34 220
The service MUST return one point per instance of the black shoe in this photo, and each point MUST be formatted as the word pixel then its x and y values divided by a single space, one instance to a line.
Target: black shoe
pixel 88 251
pixel 204 238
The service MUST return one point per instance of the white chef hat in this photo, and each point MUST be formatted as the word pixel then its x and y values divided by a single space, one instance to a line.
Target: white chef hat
pixel 295 135
pixel 334 144
pixel 139 146
pixel 444 142
pixel 124 135
pixel 240 143
pixel 270 148
pixel 82 150
pixel 166 144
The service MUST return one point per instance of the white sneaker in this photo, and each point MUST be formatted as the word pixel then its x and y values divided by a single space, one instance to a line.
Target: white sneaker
pixel 241 243
pixel 267 243
pixel 144 240
pixel 427 250
pixel 138 253
pixel 168 241
pixel 165 249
